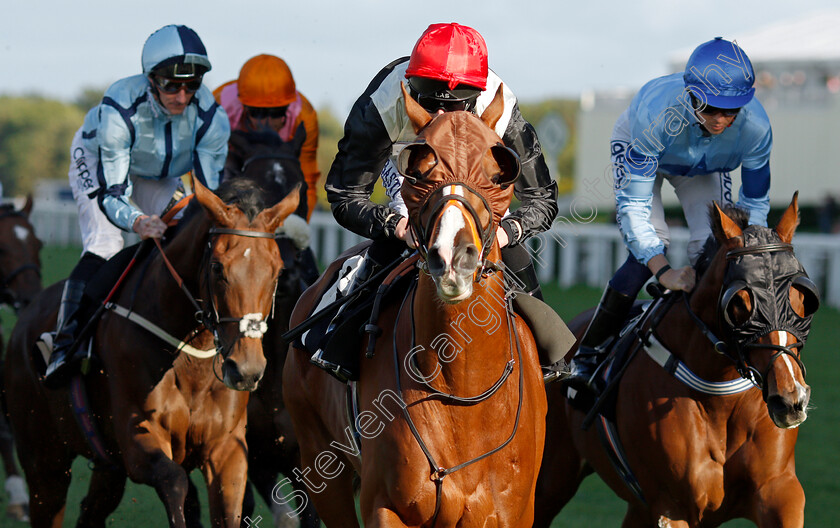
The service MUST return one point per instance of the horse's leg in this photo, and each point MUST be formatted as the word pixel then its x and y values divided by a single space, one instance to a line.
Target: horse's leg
pixel 18 506
pixel 226 473
pixel 48 476
pixel 192 506
pixel 780 503
pixel 105 492
pixel 154 468
pixel 264 479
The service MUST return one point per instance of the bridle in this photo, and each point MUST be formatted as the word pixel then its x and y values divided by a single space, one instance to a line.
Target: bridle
pixel 250 325
pixel 450 192
pixel 737 349
pixel 6 279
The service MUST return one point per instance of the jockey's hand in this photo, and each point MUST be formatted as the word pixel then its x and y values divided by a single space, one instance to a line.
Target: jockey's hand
pixel 679 279
pixel 403 232
pixel 149 226
pixel 501 236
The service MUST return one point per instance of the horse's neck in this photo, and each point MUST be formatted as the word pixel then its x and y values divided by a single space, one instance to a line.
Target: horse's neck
pixel 685 340
pixel 469 342
pixel 184 252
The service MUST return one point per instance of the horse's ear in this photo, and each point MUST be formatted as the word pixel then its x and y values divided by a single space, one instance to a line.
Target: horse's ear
pixel 725 227
pixel 787 225
pixel 493 112
pixel 274 216
pixel 417 114
pixel 27 206
pixel 221 213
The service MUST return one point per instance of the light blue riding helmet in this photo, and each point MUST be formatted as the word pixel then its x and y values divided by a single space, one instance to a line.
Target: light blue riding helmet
pixel 175 52
pixel 720 74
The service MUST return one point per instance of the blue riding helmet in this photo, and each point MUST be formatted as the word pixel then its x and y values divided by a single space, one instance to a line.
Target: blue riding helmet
pixel 720 74
pixel 175 52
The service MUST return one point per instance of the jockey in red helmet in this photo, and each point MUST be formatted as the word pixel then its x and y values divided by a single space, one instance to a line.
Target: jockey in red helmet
pixel 447 71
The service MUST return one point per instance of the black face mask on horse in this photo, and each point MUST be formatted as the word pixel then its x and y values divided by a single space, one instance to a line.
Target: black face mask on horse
pixel 766 269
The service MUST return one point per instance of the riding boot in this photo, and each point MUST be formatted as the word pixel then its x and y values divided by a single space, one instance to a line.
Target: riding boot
pixel 67 325
pixel 333 364
pixel 582 386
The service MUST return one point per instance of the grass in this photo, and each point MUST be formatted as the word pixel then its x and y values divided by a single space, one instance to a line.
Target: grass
pixel 595 505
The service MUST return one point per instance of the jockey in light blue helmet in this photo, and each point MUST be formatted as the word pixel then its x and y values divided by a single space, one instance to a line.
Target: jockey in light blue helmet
pixel 128 159
pixel 175 52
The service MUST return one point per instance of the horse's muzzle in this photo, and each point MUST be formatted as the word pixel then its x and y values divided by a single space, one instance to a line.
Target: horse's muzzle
pixel 242 377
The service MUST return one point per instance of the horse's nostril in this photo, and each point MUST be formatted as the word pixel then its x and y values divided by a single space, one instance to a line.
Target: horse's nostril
pixel 467 257
pixel 434 260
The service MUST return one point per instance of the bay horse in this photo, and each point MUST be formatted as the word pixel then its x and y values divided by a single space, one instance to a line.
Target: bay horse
pixel 710 437
pixel 20 281
pixel 451 406
pixel 272 444
pixel 167 402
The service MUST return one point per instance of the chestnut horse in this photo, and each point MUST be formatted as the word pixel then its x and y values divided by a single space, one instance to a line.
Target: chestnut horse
pixel 699 458
pixel 20 281
pixel 163 405
pixel 451 405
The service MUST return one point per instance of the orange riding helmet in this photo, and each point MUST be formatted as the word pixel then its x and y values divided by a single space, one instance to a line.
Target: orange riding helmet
pixel 266 81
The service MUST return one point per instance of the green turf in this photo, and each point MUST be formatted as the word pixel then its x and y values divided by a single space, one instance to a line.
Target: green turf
pixel 595 505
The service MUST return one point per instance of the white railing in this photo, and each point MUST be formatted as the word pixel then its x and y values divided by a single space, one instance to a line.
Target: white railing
pixel 568 254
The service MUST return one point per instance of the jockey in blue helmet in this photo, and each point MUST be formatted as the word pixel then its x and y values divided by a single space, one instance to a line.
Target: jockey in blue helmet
pixel 128 157
pixel 692 129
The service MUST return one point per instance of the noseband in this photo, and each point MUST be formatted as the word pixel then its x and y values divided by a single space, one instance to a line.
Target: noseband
pixel 448 193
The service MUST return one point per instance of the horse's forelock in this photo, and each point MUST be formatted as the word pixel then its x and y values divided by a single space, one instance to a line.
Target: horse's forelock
pixel 251 196
pixel 740 216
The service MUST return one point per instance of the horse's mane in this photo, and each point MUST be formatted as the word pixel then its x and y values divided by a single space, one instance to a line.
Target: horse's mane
pixel 7 208
pixel 250 195
pixel 738 215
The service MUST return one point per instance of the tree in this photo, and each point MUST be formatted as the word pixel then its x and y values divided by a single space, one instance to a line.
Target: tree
pixel 35 136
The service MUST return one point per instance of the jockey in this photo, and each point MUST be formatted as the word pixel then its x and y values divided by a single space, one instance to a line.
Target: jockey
pixel 263 98
pixel 147 132
pixel 447 70
pixel 692 129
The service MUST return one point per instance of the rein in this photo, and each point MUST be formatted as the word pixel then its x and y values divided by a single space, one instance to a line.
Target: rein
pixel 438 473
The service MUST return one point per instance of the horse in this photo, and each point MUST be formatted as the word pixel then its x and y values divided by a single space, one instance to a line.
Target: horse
pixel 20 281
pixel 176 359
pixel 272 445
pixel 711 436
pixel 455 437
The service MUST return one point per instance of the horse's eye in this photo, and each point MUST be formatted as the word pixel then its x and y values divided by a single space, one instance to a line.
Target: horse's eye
pixel 739 308
pixel 217 270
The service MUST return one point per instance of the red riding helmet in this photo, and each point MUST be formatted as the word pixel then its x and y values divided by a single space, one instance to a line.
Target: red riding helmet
pixel 452 53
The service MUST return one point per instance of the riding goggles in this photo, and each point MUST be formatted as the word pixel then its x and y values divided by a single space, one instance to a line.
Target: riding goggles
pixel 276 112
pixel 172 86
pixel 713 111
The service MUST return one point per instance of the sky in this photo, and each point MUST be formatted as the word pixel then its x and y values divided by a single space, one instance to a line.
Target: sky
pixel 540 48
